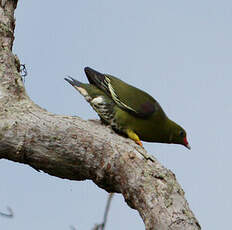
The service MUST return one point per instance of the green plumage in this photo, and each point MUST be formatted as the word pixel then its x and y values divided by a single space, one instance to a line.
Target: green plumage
pixel 129 110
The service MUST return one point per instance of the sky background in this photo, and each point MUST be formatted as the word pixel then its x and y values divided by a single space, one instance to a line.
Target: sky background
pixel 178 51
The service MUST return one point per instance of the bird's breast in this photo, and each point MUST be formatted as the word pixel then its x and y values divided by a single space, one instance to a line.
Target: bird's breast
pixel 151 129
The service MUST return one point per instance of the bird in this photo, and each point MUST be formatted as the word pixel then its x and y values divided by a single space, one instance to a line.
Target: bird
pixel 129 111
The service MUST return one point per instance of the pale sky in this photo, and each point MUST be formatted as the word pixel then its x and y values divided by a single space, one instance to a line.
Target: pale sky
pixel 178 51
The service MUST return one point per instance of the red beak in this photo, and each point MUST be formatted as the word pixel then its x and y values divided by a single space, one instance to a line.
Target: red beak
pixel 186 144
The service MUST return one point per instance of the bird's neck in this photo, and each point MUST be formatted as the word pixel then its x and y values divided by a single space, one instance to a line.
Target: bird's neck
pixel 169 127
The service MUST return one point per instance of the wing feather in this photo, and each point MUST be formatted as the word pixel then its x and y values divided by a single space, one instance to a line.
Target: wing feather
pixel 127 97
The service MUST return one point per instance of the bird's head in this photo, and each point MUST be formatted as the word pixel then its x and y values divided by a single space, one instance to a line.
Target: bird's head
pixel 179 136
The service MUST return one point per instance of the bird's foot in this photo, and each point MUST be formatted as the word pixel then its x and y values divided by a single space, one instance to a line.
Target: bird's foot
pixel 138 142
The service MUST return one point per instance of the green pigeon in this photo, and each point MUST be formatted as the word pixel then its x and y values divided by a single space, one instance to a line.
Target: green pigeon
pixel 129 110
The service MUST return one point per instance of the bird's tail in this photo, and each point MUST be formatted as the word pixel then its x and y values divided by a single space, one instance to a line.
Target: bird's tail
pixel 73 81
pixel 79 86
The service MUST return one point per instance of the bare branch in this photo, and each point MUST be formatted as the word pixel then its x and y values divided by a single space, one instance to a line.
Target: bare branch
pixel 10 213
pixel 107 210
pixel 103 224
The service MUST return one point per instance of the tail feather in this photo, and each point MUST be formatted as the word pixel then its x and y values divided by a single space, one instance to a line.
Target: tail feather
pixel 73 81
pixel 79 86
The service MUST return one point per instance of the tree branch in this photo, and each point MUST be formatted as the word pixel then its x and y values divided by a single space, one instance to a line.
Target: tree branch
pixel 71 148
pixel 10 213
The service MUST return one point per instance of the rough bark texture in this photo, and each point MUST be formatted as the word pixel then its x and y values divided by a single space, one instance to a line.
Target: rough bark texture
pixel 69 147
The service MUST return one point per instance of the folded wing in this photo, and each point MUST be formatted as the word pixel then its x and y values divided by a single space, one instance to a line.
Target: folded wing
pixel 127 97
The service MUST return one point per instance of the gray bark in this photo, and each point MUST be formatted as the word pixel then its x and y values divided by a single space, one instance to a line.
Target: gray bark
pixel 72 148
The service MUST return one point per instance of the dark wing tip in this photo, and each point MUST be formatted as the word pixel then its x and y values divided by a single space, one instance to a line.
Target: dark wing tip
pixel 91 72
pixel 73 81
pixel 94 76
pixel 87 69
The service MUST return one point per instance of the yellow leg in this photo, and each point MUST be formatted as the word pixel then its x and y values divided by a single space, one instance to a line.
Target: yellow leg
pixel 132 135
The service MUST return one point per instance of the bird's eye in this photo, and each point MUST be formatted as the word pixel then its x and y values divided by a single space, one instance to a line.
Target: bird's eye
pixel 182 133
